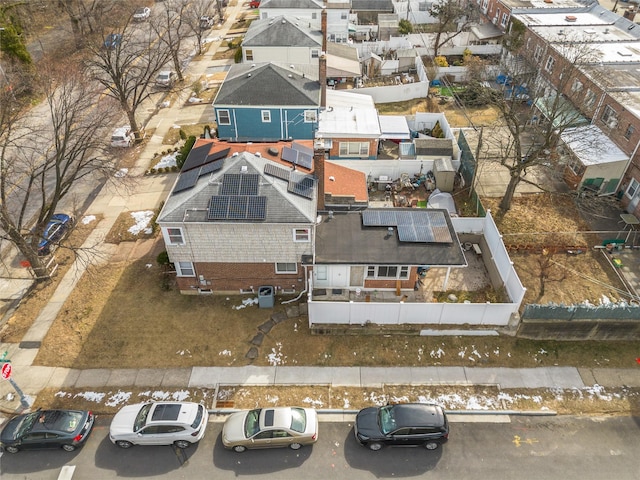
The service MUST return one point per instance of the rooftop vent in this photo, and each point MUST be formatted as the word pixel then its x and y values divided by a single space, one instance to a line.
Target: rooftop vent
pixel 248 75
pixel 243 169
pixel 571 18
pixel 258 154
pixel 273 151
pixel 235 154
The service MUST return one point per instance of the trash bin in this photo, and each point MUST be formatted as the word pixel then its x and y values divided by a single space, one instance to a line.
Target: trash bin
pixel 265 296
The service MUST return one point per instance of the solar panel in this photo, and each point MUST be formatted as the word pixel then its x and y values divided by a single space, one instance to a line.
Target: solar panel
pixel 302 148
pixel 289 155
pixel 413 225
pixel 256 208
pixel 278 172
pixel 196 157
pixel 218 155
pixel 305 161
pixel 237 207
pixel 186 180
pixel 218 207
pixel 406 233
pixel 301 186
pixel 211 167
pixel 239 184
pixel 249 184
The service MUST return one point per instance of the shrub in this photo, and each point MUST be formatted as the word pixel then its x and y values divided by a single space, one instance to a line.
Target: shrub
pixel 183 135
pixel 441 61
pixel 163 258
pixel 184 151
pixel 153 170
pixel 237 57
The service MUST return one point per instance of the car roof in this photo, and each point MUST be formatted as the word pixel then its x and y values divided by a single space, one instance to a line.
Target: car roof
pixel 173 412
pixel 277 417
pixel 418 414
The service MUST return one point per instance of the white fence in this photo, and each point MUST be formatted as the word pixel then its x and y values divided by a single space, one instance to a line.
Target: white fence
pixel 473 314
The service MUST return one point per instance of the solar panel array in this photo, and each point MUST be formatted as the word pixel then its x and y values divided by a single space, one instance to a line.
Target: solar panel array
pixel 240 184
pixel 298 184
pixel 413 225
pixel 199 157
pixel 278 172
pixel 298 155
pixel 199 163
pixel 237 207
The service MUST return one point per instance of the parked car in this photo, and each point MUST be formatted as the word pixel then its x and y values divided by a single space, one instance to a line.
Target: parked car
pixel 206 22
pixel 254 3
pixel 57 228
pixel 402 425
pixel 66 429
pixel 274 427
pixel 112 40
pixel 141 14
pixel 122 137
pixel 166 78
pixel 159 423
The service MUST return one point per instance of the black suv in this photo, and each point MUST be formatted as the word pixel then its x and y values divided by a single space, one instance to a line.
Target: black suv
pixel 402 425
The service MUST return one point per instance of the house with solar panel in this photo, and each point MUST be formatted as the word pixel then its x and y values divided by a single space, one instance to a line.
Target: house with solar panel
pixel 267 102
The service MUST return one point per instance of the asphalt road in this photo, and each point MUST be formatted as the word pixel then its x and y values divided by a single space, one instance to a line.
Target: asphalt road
pixel 540 448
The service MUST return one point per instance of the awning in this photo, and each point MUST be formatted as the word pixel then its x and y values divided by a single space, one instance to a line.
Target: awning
pixel 352 28
pixel 560 113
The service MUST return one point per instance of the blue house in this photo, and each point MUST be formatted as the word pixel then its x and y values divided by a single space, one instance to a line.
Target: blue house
pixel 267 102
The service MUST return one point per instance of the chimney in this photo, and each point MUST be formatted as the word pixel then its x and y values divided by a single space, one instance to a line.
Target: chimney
pixel 323 60
pixel 318 170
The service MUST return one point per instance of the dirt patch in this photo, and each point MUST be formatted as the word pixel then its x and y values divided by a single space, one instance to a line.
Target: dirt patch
pixel 456 117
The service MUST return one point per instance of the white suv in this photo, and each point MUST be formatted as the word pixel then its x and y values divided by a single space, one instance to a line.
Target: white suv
pixel 159 423
pixel 122 137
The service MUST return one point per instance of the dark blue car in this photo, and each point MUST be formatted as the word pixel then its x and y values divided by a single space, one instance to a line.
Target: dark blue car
pixel 112 40
pixel 55 230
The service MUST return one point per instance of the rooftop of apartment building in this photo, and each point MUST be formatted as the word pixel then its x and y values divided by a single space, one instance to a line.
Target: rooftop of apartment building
pixel 546 4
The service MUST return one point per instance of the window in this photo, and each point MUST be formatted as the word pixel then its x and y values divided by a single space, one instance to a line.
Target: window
pixel 249 55
pixel 175 236
pixel 359 149
pixel 315 53
pixel 387 271
pixel 286 268
pixel 632 190
pixel 301 235
pixel 577 86
pixel 343 15
pixel 185 269
pixel 610 117
pixel 503 22
pixel 314 15
pixel 310 116
pixel 538 53
pixel 550 62
pixel 629 132
pixel 266 116
pixel 589 98
pixel 576 167
pixel 223 117
pixel 424 6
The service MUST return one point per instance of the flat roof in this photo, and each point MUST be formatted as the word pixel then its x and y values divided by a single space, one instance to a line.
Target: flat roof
pixel 348 114
pixel 591 146
pixel 343 239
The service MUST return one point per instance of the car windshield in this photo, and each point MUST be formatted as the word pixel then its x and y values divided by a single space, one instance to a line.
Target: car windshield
pixel 141 418
pixel 26 424
pixel 386 420
pixel 163 76
pixel 298 420
pixel 252 423
pixel 198 418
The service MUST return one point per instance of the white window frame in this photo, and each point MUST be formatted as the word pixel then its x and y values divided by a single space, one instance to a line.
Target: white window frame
pixel 548 66
pixel 576 86
pixel 283 268
pixel 221 121
pixel 266 116
pixel 503 22
pixel 538 53
pixel 248 55
pixel 343 15
pixel 175 236
pixel 632 189
pixel 589 98
pixel 310 116
pixel 401 272
pixel 351 149
pixel 185 269
pixel 314 15
pixel 315 53
pixel 301 235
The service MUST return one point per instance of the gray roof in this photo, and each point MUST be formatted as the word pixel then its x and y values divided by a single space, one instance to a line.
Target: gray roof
pixel 267 84
pixel 191 205
pixel 302 4
pixel 282 31
pixel 435 147
pixel 344 240
pixel 372 5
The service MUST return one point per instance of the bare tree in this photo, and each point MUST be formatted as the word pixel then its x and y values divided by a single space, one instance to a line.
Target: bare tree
pixel 45 152
pixel 454 17
pixel 89 17
pixel 172 27
pixel 534 112
pixel 126 64
pixel 193 18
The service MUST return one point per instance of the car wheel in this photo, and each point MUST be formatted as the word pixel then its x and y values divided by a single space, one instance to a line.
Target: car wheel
pixel 124 444
pixel 375 446
pixel 11 449
pixel 295 446
pixel 182 444
pixel 239 448
pixel 431 445
pixel 68 448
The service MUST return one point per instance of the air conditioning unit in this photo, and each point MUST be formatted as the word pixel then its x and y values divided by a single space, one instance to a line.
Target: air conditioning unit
pixel 495 20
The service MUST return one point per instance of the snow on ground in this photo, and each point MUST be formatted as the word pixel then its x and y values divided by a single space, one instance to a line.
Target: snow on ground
pixel 167 161
pixel 142 219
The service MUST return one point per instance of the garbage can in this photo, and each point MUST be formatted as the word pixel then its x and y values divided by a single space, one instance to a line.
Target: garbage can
pixel 265 296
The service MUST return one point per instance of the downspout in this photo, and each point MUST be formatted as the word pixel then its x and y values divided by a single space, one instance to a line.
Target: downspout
pixel 235 124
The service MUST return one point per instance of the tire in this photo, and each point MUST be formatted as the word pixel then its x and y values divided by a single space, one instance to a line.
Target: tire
pixel 239 448
pixel 295 446
pixel 68 448
pixel 431 445
pixel 182 444
pixel 11 449
pixel 124 444
pixel 375 446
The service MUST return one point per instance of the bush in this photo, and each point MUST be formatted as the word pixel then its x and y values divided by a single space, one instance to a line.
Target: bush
pixel 163 258
pixel 441 61
pixel 183 136
pixel 237 57
pixel 153 170
pixel 184 151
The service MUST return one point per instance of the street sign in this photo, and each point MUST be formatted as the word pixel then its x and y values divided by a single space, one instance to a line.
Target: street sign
pixel 5 373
